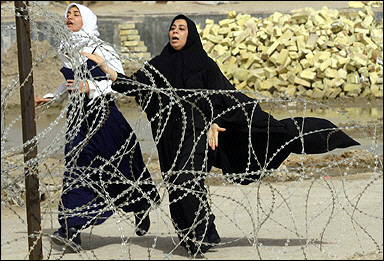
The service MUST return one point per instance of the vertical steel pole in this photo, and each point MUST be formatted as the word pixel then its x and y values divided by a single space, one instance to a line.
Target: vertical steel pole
pixel 29 130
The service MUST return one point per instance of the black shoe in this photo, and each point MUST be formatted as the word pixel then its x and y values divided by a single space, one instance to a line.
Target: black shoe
pixel 142 223
pixel 71 238
pixel 212 235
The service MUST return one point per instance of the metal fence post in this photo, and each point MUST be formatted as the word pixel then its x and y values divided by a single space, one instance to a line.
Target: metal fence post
pixel 29 130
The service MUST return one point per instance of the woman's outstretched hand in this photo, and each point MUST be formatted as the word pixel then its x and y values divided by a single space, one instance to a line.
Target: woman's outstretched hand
pixel 103 66
pixel 41 101
pixel 213 135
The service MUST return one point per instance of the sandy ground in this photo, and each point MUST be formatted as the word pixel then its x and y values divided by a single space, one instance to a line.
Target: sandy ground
pixel 324 219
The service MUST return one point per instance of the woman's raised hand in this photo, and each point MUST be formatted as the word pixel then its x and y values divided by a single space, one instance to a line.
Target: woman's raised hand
pixel 101 63
pixel 96 58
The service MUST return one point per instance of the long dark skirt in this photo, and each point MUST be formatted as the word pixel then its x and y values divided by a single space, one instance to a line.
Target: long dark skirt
pixel 104 168
pixel 188 203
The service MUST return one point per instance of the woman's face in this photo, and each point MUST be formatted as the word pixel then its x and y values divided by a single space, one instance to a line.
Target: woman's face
pixel 178 34
pixel 74 20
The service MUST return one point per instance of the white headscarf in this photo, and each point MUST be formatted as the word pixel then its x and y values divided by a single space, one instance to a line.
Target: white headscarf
pixel 87 36
pixel 86 39
pixel 89 30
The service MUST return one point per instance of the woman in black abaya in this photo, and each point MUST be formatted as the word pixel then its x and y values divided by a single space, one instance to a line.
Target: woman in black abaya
pixel 200 120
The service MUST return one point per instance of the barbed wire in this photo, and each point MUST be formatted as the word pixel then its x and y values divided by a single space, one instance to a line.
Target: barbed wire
pixel 304 201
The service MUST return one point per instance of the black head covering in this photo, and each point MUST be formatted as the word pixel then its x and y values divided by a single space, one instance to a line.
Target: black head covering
pixel 178 66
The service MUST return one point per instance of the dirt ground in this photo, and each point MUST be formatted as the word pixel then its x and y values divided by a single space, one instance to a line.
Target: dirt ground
pixel 350 228
pixel 358 238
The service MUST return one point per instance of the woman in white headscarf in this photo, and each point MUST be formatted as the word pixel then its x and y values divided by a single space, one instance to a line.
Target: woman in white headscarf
pixel 104 166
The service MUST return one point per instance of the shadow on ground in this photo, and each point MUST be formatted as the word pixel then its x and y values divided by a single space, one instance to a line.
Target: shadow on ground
pixel 169 244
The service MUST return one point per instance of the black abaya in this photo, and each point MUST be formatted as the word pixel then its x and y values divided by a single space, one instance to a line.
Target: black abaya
pixel 180 112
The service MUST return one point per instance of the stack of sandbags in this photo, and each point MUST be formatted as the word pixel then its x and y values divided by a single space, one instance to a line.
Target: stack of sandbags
pixel 318 54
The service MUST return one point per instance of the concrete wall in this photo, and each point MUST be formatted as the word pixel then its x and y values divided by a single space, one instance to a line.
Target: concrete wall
pixel 153 30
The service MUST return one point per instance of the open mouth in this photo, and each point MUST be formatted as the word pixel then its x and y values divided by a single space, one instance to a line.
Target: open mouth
pixel 174 38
